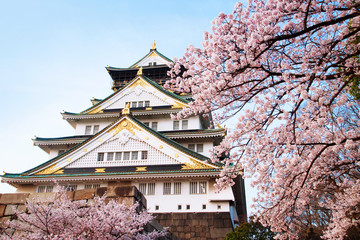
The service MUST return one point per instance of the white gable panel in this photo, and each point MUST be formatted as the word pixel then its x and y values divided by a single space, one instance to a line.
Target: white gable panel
pixel 137 94
pixel 155 157
pixel 148 61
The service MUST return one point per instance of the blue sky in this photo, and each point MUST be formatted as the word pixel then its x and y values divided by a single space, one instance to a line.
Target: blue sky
pixel 53 54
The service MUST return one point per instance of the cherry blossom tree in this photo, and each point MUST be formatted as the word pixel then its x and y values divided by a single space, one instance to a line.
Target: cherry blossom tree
pixel 97 218
pixel 282 70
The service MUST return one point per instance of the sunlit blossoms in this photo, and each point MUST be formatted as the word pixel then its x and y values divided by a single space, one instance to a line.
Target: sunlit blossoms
pixel 283 70
pixel 65 219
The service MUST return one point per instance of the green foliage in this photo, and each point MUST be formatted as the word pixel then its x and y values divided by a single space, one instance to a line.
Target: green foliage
pixel 251 231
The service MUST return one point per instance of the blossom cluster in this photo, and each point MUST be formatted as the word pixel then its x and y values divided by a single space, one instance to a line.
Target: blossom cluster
pixel 282 69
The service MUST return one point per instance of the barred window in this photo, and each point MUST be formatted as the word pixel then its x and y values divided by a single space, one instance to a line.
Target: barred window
pixel 151 189
pixel 41 189
pixel 110 156
pixel 100 157
pixel 193 187
pixel 134 155
pixel 144 155
pixel 88 130
pixel 88 186
pixel 133 104
pixel 118 156
pixel 126 156
pixel 147 103
pixel 49 188
pixel 185 124
pixel 147 124
pixel 202 187
pixel 167 188
pixel 177 188
pixel 96 129
pixel 140 104
pixel 200 147
pixel 176 125
pixel 154 125
pixel 142 188
pixel 191 147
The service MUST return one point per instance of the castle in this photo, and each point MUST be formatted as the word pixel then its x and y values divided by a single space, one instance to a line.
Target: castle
pixel 129 139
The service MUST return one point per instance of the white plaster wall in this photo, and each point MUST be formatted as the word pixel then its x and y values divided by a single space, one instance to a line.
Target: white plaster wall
pixel 81 125
pixel 169 203
pixel 208 147
pixel 166 124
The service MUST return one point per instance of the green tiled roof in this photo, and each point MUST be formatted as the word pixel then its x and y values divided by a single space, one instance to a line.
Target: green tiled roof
pixel 157 86
pixel 152 50
pixel 17 175
pixel 162 137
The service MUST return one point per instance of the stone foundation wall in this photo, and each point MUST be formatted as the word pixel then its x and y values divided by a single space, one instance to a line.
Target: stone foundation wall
pixel 127 195
pixel 200 226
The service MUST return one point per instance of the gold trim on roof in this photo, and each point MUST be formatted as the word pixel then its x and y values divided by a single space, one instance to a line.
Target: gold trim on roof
pixel 48 170
pixel 153 47
pixel 124 124
pixel 96 110
pixel 99 170
pixel 139 82
pixel 178 105
pixel 194 165
pixel 126 110
pixel 141 169
pixel 140 72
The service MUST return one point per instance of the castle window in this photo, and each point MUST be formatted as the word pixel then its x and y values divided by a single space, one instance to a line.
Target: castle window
pixel 88 130
pixel 204 206
pixel 90 186
pixel 96 129
pixel 110 156
pixel 198 187
pixel 196 147
pixel 118 156
pixel 191 147
pixel 142 188
pixel 179 207
pixel 202 187
pixel 140 104
pixel 134 155
pixel 157 207
pixel 154 63
pixel 167 188
pixel 151 189
pixel 154 125
pixel 147 188
pixel 144 155
pixel 126 156
pixel 185 124
pixel 176 125
pixel 177 188
pixel 42 189
pixel 187 207
pixel 147 103
pixel 100 157
pixel 219 207
pixel 147 124
pixel 193 187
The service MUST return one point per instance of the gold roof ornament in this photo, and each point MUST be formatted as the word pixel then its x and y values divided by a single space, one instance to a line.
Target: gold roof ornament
pixel 139 73
pixel 126 110
pixel 153 47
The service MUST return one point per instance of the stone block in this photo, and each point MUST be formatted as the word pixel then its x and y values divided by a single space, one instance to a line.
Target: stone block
pixel 13 198
pixel 10 209
pixel 21 208
pixel 2 210
pixel 43 197
pixel 3 221
pixel 84 194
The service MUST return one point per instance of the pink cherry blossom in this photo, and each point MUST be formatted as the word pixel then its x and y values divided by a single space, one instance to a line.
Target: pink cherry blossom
pixel 286 69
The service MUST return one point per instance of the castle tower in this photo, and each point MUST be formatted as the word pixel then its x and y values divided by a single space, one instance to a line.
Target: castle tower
pixel 129 138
